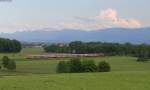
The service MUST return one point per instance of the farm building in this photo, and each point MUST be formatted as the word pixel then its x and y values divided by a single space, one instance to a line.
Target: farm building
pixel 62 55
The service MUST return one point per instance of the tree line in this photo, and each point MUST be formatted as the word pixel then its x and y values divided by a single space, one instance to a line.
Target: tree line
pixel 9 46
pixel 78 47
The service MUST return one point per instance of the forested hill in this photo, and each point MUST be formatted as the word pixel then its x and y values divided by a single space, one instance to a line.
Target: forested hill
pixel 119 35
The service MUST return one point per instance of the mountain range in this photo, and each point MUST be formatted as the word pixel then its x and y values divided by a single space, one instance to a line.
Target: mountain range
pixel 119 35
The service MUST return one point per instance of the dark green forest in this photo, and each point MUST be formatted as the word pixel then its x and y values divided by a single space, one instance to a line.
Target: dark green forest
pixel 9 46
pixel 78 47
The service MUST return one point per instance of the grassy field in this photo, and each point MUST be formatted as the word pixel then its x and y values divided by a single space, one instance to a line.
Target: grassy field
pixel 97 81
pixel 126 74
pixel 23 53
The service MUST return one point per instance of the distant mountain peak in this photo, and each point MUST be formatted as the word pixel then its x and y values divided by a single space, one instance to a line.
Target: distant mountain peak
pixel 120 35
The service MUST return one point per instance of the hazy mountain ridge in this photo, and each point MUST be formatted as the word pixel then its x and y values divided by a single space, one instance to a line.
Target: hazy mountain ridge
pixel 121 35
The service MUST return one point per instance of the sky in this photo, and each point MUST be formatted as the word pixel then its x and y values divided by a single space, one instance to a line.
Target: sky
pixel 24 15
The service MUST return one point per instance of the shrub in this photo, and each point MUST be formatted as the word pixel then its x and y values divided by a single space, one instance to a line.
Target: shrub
pixel 89 66
pixel 104 67
pixel 142 59
pixel 5 61
pixel 9 64
pixel 75 65
pixel 63 67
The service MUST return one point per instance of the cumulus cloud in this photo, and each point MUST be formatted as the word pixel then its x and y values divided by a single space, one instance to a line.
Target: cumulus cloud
pixel 108 18
pixel 112 16
pixel 109 14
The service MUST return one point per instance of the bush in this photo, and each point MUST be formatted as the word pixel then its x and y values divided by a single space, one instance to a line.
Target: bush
pixel 104 67
pixel 5 61
pixel 63 67
pixel 142 59
pixel 75 65
pixel 89 66
pixel 9 64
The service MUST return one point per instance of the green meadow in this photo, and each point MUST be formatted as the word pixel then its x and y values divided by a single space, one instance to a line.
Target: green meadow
pixel 126 74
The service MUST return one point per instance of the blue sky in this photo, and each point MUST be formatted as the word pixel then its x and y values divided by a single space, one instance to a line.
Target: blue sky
pixel 33 14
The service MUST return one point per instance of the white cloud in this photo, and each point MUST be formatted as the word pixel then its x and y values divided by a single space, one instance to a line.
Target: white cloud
pixel 109 14
pixel 105 19
pixel 108 18
pixel 25 26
